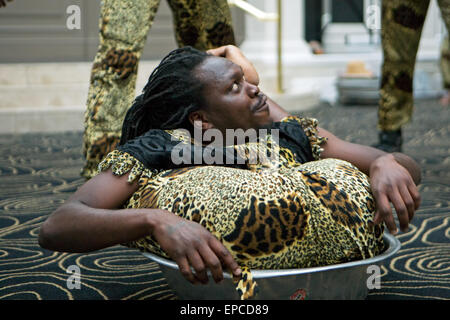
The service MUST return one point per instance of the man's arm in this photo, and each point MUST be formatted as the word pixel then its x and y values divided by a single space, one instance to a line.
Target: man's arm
pixel 90 220
pixel 393 178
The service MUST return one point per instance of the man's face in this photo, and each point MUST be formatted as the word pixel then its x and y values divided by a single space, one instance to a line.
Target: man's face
pixel 231 102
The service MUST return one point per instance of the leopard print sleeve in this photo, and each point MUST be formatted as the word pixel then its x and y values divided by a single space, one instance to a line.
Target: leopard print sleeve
pixel 122 163
pixel 309 126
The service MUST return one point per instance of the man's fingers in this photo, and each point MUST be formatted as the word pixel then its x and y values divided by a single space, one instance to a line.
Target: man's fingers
pixel 409 202
pixel 384 213
pixel 414 192
pixel 197 263
pixel 185 270
pixel 219 52
pixel 212 263
pixel 401 209
pixel 227 259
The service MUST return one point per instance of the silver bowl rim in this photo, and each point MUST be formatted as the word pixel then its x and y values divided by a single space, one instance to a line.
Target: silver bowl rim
pixel 392 241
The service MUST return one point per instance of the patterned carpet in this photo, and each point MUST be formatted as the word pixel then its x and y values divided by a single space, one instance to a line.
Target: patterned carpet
pixel 39 171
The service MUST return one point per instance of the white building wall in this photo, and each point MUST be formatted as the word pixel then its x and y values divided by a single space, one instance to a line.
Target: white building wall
pixel 305 73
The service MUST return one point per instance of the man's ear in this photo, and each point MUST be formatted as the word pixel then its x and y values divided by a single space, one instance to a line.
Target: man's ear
pixel 199 120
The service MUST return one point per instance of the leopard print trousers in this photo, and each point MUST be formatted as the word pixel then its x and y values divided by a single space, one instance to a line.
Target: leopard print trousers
pixel 401 28
pixel 124 25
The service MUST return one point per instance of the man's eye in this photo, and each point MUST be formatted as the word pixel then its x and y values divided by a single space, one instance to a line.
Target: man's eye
pixel 235 86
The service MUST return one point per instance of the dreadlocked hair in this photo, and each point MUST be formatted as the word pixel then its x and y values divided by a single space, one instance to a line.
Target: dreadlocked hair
pixel 170 95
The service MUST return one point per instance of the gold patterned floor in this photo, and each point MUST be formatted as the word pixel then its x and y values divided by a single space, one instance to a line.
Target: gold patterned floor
pixel 39 171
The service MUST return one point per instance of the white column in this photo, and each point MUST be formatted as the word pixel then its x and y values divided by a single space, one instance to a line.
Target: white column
pixel 427 73
pixel 432 34
pixel 260 43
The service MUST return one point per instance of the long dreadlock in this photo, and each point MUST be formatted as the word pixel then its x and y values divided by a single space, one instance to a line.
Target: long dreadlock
pixel 170 95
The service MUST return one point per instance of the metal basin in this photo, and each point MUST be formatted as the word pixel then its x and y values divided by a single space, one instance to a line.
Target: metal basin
pixel 340 281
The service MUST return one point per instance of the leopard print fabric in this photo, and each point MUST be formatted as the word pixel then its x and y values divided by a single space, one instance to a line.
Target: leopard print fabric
pixel 272 216
pixel 202 24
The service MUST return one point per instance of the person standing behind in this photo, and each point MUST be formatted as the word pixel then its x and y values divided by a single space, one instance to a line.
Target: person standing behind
pixel 124 25
pixel 402 23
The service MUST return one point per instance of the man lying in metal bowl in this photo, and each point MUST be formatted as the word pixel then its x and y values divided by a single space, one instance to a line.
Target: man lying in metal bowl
pixel 213 174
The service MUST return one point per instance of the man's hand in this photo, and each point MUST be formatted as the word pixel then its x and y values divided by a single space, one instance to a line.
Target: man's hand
pixel 190 244
pixel 392 183
pixel 393 178
pixel 235 55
